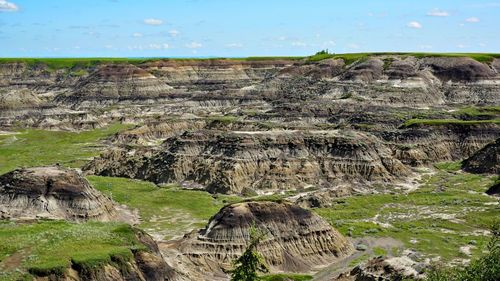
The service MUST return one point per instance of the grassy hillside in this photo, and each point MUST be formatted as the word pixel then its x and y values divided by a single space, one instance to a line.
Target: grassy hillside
pixel 50 247
pixel 39 147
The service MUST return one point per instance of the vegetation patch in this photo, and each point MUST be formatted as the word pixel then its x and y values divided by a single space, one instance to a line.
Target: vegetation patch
pixel 169 211
pixel 40 147
pixel 286 277
pixel 51 247
pixel 440 122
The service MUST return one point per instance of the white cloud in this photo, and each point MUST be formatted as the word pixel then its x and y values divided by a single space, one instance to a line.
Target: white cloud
pixel 353 46
pixel 234 45
pixel 153 46
pixel 482 44
pixel 461 46
pixel 173 33
pixel 158 46
pixel 472 20
pixel 6 6
pixel 137 34
pixel 153 21
pixel 108 46
pixel 438 13
pixel 329 43
pixel 414 24
pixel 299 44
pixel 194 45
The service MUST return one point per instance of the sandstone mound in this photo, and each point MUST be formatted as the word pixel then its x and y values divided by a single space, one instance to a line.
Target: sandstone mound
pixel 297 240
pixel 458 69
pixel 51 192
pixel 366 71
pixel 486 160
pixel 118 82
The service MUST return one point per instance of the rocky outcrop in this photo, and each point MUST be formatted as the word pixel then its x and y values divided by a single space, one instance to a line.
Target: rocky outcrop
pixel 385 269
pixel 52 192
pixel 296 239
pixel 458 69
pixel 231 162
pixel 494 189
pixel 18 98
pixel 116 82
pixel 484 161
pixel 426 144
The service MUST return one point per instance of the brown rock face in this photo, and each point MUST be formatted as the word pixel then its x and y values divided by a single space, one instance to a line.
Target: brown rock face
pixel 51 192
pixel 297 240
pixel 230 162
pixel 484 161
pixel 117 82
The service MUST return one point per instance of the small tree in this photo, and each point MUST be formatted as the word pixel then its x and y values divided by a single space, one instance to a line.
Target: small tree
pixel 251 262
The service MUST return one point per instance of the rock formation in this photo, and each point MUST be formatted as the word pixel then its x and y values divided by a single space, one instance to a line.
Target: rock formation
pixel 296 240
pixel 231 162
pixel 486 160
pixel 52 192
pixel 117 82
pixel 384 269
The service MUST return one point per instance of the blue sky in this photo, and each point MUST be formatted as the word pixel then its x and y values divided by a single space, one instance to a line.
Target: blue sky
pixel 234 28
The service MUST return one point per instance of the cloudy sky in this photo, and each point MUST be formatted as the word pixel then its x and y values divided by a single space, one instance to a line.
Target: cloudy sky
pixel 234 28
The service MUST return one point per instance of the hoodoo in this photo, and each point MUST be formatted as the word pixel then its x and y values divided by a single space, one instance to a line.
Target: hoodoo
pixel 52 192
pixel 296 240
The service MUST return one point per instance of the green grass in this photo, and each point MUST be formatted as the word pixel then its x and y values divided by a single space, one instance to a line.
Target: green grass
pixel 70 63
pixel 359 260
pixel 440 122
pixel 286 277
pixel 50 247
pixel 350 58
pixel 168 211
pixel 441 215
pixel 449 166
pixel 475 112
pixel 40 147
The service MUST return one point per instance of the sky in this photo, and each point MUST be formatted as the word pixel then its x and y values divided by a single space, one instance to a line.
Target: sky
pixel 238 28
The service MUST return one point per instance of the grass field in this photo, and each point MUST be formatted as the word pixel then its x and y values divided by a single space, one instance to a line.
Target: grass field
pixel 165 211
pixel 350 58
pixel 38 147
pixel 49 247
pixel 447 212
